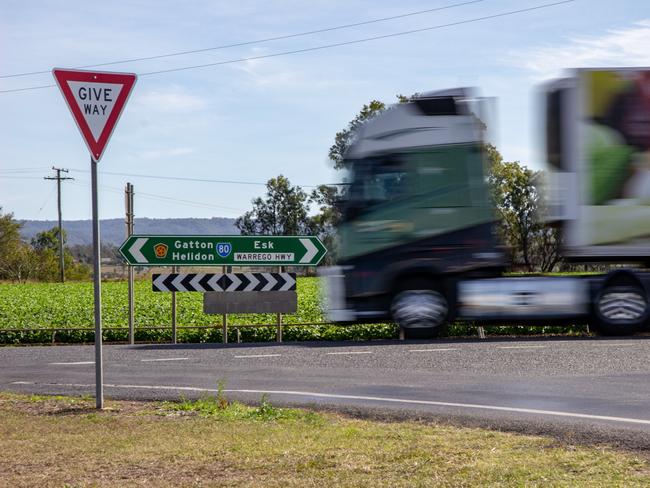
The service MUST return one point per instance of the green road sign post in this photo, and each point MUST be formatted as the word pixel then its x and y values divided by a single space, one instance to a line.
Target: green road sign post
pixel 232 250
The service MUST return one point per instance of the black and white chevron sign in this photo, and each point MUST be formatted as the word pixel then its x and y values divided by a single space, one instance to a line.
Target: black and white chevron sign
pixel 224 282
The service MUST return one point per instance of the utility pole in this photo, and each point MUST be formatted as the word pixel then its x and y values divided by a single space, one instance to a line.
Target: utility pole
pixel 58 179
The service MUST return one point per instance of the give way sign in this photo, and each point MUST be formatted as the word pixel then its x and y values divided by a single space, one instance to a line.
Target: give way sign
pixel 96 100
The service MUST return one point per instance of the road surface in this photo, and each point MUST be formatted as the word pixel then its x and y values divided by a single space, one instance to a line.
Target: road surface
pixel 583 389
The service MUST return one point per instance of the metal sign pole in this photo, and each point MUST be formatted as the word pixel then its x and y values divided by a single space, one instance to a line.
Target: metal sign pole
pixel 278 318
pixel 129 232
pixel 96 130
pixel 224 320
pixel 174 332
pixel 97 283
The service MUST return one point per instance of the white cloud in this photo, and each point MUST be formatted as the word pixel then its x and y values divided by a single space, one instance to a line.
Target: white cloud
pixel 171 100
pixel 617 48
pixel 264 72
pixel 294 75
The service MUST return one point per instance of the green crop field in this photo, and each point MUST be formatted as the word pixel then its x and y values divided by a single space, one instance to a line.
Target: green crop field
pixel 48 306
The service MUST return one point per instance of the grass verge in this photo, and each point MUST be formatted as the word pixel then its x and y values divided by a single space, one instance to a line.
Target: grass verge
pixel 61 441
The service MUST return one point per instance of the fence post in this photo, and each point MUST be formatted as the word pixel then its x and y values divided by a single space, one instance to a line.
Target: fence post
pixel 174 335
pixel 481 332
pixel 278 318
pixel 224 319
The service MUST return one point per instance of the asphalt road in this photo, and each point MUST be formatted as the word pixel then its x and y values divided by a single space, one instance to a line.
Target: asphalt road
pixel 581 389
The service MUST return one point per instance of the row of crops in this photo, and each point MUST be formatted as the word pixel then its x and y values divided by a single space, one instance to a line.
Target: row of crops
pixel 30 312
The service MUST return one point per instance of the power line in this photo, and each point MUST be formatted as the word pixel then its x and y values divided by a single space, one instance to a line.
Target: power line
pixel 21 169
pixel 20 177
pixel 257 41
pixel 180 200
pixel 187 203
pixel 24 168
pixel 170 178
pixel 328 46
pixel 356 41
pixel 153 196
pixel 46 200
pixel 183 178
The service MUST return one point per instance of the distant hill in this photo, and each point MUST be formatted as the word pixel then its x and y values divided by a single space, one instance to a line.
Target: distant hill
pixel 112 231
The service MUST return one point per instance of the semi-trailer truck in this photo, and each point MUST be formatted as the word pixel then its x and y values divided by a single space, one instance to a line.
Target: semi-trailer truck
pixel 417 242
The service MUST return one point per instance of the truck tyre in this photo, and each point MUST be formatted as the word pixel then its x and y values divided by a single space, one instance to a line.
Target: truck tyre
pixel 421 313
pixel 620 309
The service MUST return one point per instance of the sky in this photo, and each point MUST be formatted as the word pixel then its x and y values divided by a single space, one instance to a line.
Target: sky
pixel 251 120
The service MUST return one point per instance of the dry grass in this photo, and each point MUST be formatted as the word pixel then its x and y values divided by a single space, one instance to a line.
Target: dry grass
pixel 59 441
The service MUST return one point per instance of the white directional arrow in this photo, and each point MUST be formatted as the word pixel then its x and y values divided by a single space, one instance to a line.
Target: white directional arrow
pixel 213 283
pixel 135 249
pixel 253 282
pixel 311 250
pixel 235 282
pixel 289 282
pixel 194 282
pixel 272 281
pixel 176 282
pixel 158 283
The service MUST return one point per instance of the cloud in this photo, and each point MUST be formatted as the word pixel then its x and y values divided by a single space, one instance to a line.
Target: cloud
pixel 617 48
pixel 264 72
pixel 290 75
pixel 171 100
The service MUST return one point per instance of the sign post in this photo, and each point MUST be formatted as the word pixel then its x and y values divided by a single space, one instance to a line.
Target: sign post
pixel 96 101
pixel 174 332
pixel 224 318
pixel 225 250
pixel 130 221
pixel 97 292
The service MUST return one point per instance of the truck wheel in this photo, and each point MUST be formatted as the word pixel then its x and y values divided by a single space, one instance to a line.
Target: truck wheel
pixel 620 310
pixel 420 313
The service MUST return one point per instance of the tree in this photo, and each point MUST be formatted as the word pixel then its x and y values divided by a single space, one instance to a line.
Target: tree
pixel 15 256
pixel 48 239
pixel 45 262
pixel 344 138
pixel 284 211
pixel 20 261
pixel 9 232
pixel 520 208
pixel 323 223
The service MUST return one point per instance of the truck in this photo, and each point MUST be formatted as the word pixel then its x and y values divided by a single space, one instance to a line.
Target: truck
pixel 417 242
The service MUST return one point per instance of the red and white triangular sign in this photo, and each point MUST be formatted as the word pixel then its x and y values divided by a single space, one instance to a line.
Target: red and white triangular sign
pixel 96 100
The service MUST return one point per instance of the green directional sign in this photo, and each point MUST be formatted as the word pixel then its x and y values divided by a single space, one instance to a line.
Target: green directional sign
pixel 145 250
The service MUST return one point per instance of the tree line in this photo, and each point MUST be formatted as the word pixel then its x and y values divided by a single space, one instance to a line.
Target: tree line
pixel 35 260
